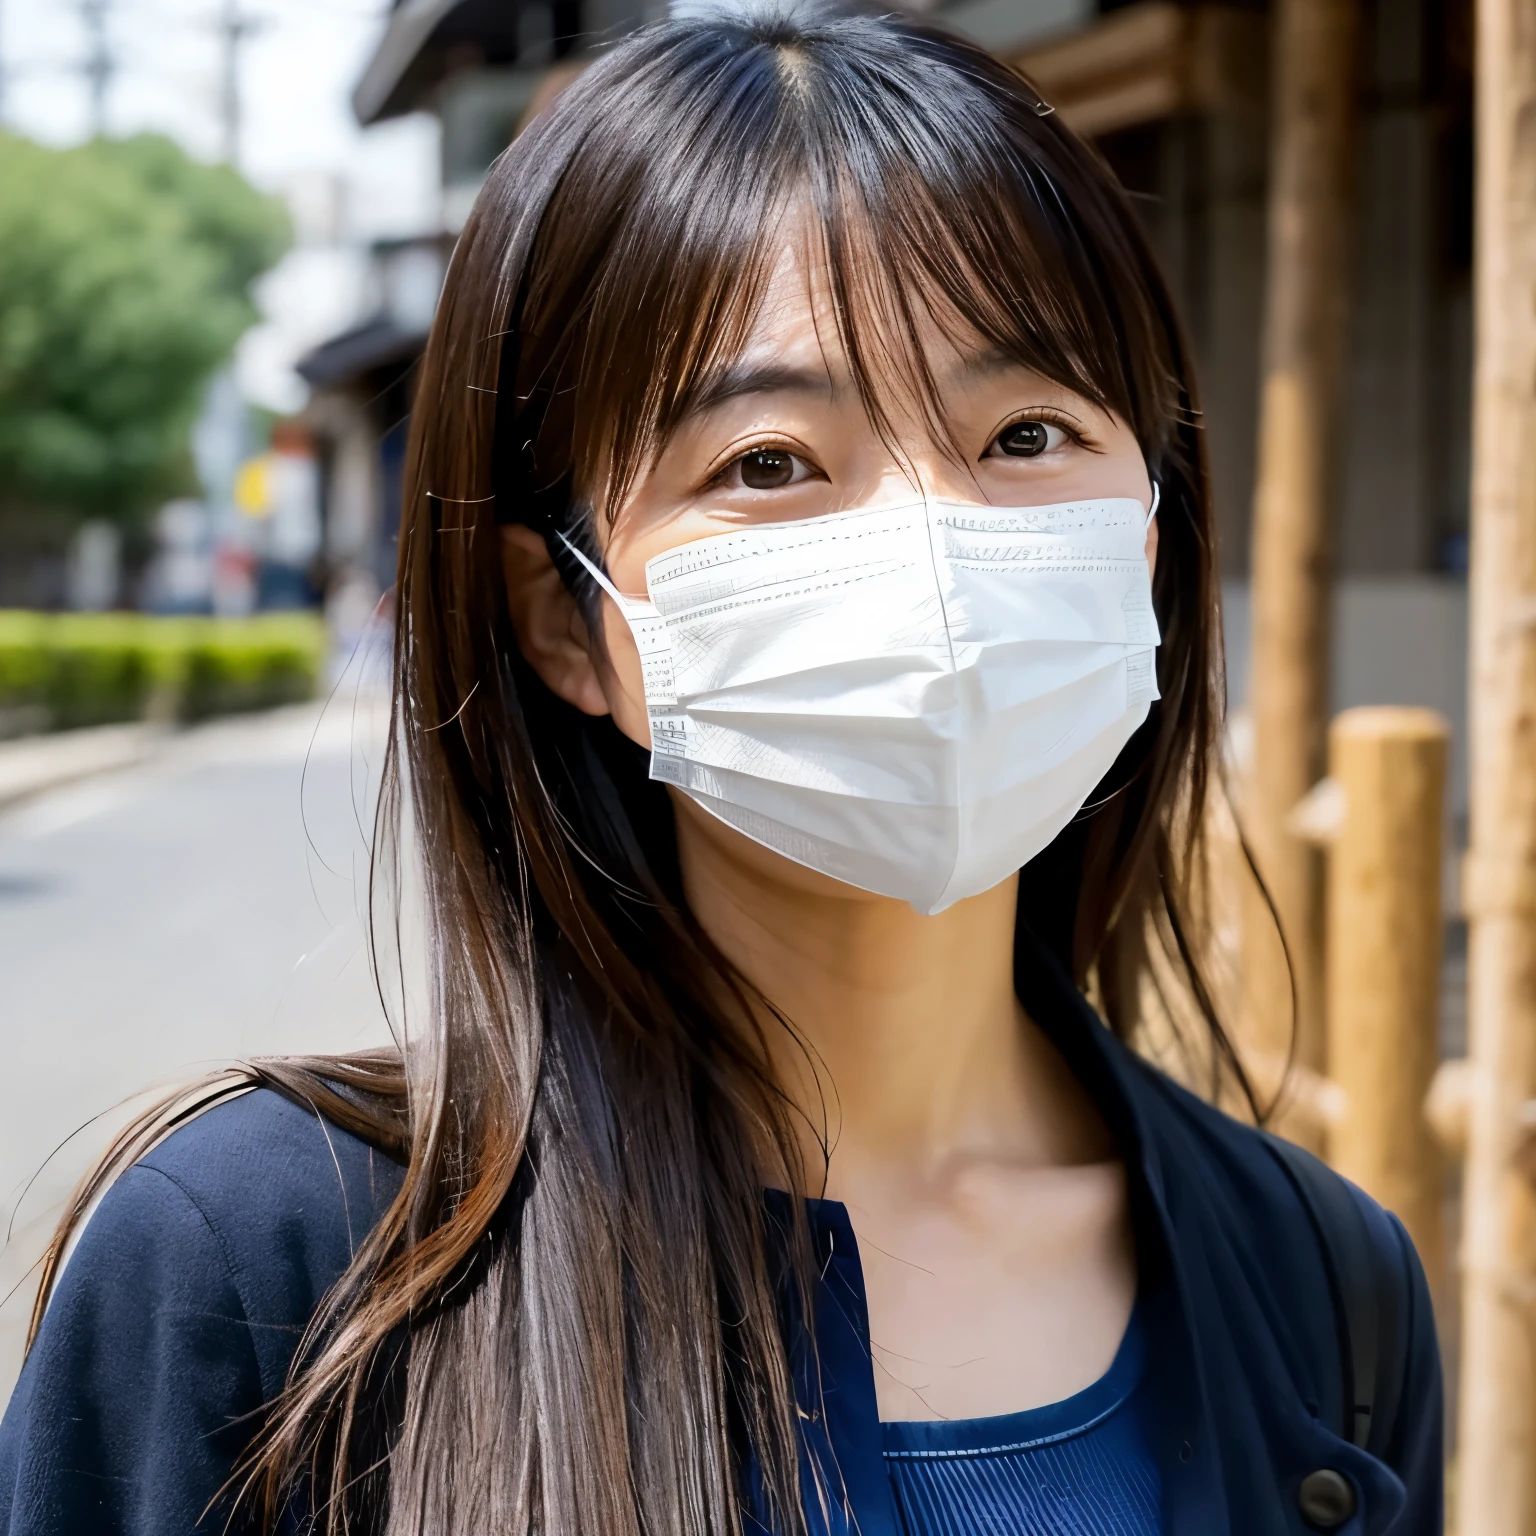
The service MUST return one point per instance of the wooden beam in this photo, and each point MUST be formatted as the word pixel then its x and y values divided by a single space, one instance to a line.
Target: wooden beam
pixel 1316 45
pixel 1149 62
pixel 1497 1476
pixel 1384 938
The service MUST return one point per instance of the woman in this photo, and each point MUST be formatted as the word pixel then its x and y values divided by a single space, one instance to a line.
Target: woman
pixel 807 531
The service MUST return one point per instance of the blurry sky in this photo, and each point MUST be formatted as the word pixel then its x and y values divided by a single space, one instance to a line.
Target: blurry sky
pixel 345 185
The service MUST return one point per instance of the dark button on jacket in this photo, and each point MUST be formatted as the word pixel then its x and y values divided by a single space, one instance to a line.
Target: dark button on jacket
pixel 179 1312
pixel 1326 1499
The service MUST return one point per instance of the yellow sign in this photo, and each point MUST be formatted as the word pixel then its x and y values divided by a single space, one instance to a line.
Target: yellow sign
pixel 253 486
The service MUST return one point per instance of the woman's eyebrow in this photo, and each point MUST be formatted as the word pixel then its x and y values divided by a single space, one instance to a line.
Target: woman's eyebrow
pixel 737 379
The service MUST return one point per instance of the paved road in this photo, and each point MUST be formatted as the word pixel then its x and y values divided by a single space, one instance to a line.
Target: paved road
pixel 200 907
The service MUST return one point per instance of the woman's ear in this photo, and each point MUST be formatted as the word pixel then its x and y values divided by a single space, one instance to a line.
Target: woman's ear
pixel 550 630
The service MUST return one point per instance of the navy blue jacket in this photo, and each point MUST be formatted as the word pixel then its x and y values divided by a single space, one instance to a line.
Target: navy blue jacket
pixel 179 1312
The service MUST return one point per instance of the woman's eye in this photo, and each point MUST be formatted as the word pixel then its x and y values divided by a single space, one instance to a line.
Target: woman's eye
pixel 766 469
pixel 1028 439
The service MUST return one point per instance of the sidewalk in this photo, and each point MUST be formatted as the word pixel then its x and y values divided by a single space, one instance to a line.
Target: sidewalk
pixel 35 764
pixel 354 720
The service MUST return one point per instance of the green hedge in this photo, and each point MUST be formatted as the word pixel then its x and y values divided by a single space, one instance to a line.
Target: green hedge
pixel 64 670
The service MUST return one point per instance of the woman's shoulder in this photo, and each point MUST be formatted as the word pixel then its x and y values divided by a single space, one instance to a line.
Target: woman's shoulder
pixel 1263 1188
pixel 1284 1238
pixel 177 1316
pixel 284 1191
pixel 1268 1179
pixel 258 1197
pixel 281 1195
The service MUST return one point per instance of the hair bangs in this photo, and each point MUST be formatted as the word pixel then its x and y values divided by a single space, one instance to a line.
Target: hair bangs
pixel 646 275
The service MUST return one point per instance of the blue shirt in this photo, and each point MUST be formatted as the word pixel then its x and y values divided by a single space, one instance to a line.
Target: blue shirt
pixel 1079 1467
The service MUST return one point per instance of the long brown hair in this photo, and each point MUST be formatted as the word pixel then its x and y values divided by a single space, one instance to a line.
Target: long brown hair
pixel 575 1270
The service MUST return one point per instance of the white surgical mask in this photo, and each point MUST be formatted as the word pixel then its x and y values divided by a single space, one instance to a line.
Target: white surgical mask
pixel 912 699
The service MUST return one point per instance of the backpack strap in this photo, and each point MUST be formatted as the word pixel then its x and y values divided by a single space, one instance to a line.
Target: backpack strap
pixel 1369 1296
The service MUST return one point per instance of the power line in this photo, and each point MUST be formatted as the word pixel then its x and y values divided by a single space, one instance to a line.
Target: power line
pixel 236 28
pixel 99 65
pixel 104 62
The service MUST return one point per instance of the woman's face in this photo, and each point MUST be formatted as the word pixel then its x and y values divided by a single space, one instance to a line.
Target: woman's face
pixel 782 434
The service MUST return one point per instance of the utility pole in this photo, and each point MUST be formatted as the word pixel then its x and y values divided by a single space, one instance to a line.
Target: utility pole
pixel 99 66
pixel 235 28
pixel 1496 1480
pixel 1316 46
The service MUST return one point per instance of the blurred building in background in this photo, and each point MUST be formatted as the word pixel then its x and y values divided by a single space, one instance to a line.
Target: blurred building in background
pixel 483 68
pixel 358 411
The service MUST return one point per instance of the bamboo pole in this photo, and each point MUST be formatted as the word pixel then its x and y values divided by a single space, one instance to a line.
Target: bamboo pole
pixel 1497 1478
pixel 1316 43
pixel 1383 987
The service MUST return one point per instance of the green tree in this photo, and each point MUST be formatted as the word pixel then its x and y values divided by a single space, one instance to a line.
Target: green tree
pixel 125 277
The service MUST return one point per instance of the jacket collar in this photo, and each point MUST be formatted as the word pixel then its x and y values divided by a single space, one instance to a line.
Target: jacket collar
pixel 845 1487
pixel 1215 1477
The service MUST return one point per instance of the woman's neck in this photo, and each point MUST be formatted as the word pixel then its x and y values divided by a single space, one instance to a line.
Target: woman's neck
pixel 918 1059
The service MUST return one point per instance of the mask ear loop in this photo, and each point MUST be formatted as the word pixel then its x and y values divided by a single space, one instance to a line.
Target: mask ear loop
pixel 1157 495
pixel 628 606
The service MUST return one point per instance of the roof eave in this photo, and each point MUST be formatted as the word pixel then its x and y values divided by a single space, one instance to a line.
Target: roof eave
pixel 379 93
